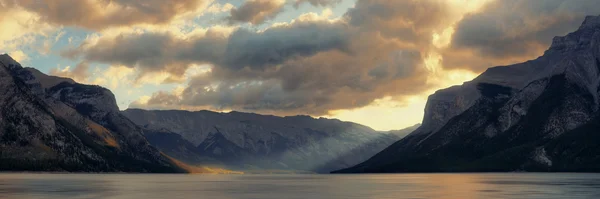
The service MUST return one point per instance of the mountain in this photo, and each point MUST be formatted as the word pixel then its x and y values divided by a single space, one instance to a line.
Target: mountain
pixel 540 115
pixel 404 132
pixel 55 124
pixel 247 141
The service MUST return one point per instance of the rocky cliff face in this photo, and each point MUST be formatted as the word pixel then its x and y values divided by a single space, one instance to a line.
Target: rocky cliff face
pixel 54 124
pixel 541 115
pixel 251 141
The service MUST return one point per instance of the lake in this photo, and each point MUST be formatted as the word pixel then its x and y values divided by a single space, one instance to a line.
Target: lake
pixel 381 186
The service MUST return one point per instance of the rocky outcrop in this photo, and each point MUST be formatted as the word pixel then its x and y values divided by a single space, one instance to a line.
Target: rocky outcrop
pixel 54 124
pixel 246 141
pixel 534 116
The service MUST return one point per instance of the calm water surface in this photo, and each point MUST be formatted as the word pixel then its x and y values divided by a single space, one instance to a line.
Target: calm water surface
pixel 397 186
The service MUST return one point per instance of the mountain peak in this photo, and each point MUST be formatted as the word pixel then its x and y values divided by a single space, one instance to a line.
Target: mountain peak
pixel 4 56
pixel 8 61
pixel 585 38
pixel 590 22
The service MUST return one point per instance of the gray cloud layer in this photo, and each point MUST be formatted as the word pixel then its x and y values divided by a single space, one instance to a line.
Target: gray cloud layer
pixel 313 67
pixel 522 29
pixel 242 49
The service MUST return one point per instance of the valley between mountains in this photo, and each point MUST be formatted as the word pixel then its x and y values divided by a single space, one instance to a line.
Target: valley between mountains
pixel 56 124
pixel 541 115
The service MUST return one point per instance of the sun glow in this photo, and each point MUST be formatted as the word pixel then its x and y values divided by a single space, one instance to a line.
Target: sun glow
pixel 388 113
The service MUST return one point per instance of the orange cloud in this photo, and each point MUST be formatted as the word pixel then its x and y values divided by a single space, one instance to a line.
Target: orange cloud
pixel 379 49
pixel 256 11
pixel 80 73
pixel 101 14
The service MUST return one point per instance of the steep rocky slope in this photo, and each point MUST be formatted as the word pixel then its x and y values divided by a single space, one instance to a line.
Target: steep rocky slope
pixel 541 115
pixel 54 124
pixel 250 141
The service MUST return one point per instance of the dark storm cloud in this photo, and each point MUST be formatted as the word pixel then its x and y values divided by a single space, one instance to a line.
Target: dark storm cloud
pixel 148 50
pixel 276 45
pixel 151 52
pixel 243 48
pixel 306 67
pixel 314 85
pixel 515 30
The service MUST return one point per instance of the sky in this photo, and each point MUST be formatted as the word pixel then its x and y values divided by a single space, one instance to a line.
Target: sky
pixel 373 62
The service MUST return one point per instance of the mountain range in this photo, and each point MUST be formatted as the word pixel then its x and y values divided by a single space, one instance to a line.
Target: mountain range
pixel 55 124
pixel 50 123
pixel 247 141
pixel 540 115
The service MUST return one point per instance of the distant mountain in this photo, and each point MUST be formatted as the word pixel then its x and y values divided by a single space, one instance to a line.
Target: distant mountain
pixel 249 141
pixel 541 115
pixel 54 124
pixel 404 132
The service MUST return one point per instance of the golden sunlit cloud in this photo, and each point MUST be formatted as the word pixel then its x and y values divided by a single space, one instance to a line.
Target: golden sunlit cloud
pixel 388 114
pixel 391 107
pixel 19 56
pixel 19 29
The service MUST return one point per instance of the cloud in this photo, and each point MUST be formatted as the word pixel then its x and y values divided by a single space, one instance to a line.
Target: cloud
pixel 19 56
pixel 20 29
pixel 163 98
pixel 379 49
pixel 218 8
pixel 114 77
pixel 301 86
pixel 323 3
pixel 256 11
pixel 101 14
pixel 510 31
pixel 312 66
pixel 79 73
pixel 276 45
pixel 152 52
pixel 407 20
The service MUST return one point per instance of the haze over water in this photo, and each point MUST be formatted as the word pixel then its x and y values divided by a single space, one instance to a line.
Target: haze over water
pixel 450 186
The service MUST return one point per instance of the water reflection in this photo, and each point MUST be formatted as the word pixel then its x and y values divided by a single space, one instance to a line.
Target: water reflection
pixel 447 186
pixel 44 186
